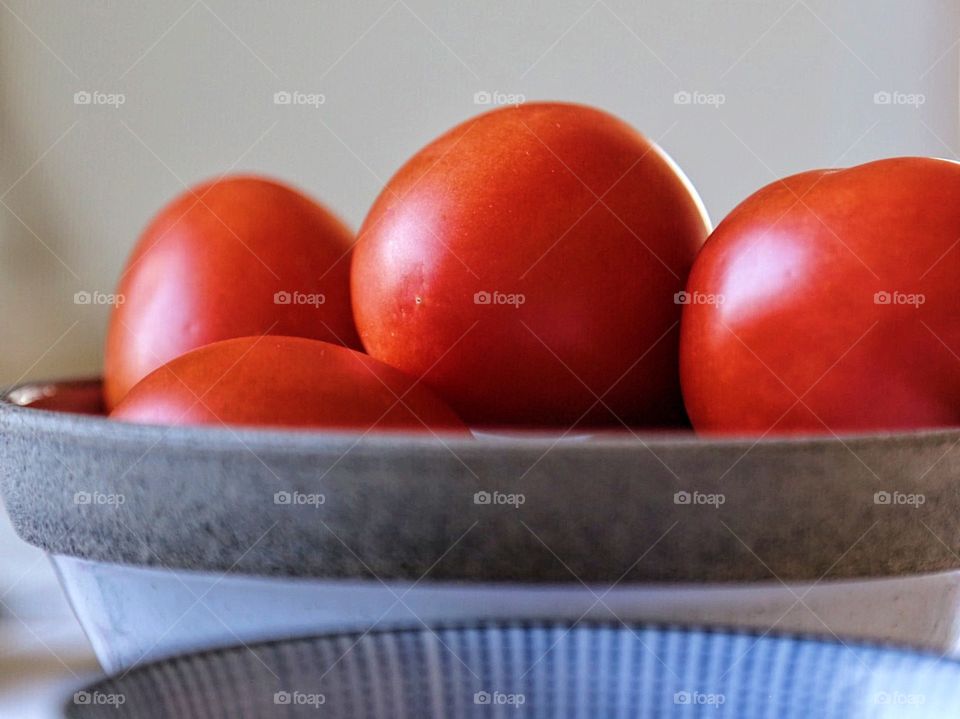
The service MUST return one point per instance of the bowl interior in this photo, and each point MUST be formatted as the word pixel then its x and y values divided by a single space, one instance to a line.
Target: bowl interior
pixel 82 396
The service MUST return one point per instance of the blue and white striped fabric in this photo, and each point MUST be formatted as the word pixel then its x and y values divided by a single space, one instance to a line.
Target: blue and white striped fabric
pixel 509 672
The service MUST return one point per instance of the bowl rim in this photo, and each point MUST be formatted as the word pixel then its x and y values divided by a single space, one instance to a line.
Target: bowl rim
pixel 14 409
pixel 803 503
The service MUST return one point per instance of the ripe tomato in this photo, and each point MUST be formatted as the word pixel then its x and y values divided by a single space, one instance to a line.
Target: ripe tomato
pixel 283 381
pixel 526 263
pixel 827 302
pixel 237 256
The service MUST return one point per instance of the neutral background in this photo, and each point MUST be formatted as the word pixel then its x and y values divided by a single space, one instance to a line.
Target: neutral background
pixel 78 182
pixel 797 80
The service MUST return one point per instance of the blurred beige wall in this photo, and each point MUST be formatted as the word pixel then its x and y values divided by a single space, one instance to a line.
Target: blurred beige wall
pixel 774 87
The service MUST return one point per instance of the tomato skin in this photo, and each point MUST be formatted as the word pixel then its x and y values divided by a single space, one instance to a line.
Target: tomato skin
pixel 209 269
pixel 802 342
pixel 273 381
pixel 507 203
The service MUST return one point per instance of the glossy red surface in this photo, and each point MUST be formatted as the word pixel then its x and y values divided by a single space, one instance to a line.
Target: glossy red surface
pixel 840 310
pixel 210 266
pixel 525 265
pixel 284 382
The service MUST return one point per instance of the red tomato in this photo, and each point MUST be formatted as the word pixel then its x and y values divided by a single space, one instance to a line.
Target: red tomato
pixel 827 302
pixel 238 256
pixel 525 265
pixel 283 381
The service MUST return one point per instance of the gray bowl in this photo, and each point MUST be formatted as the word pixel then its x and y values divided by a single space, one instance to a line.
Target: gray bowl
pixel 614 507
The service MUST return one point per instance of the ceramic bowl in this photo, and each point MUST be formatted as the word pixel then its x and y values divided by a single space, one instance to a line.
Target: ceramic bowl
pixel 177 538
pixel 522 670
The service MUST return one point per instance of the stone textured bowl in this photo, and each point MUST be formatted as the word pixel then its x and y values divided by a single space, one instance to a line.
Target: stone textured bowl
pixel 535 671
pixel 614 507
